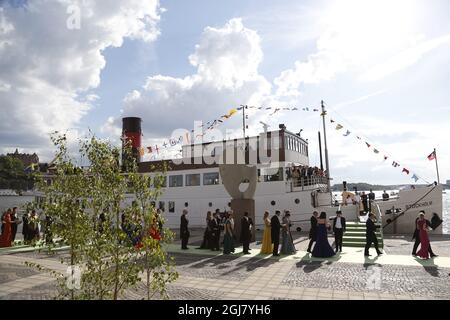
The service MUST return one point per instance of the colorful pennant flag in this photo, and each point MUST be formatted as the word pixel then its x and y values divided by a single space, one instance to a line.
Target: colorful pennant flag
pixel 368 145
pixel 385 158
pixel 332 121
pixel 405 170
pixel 376 151
pixel 395 164
pixel 347 133
pixel 416 178
pixel 339 127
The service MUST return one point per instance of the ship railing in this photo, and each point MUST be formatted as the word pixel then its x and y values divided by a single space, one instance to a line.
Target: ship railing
pixel 308 181
pixel 375 207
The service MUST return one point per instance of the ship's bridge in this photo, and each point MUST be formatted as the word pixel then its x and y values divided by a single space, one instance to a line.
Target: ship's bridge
pixel 280 146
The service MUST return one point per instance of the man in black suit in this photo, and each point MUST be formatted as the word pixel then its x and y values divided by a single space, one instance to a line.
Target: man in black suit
pixel 313 230
pixel 14 223
pixel 371 199
pixel 371 237
pixel 214 226
pixel 184 231
pixel 416 236
pixel 365 202
pixel 339 230
pixel 275 231
pixel 246 232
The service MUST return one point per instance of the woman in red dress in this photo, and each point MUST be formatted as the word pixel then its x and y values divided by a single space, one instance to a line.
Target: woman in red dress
pixel 5 239
pixel 424 240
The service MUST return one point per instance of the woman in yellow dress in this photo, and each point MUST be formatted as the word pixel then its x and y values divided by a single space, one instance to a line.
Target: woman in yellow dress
pixel 267 246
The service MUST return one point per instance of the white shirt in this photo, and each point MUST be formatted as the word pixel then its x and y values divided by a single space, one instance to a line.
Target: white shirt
pixel 338 223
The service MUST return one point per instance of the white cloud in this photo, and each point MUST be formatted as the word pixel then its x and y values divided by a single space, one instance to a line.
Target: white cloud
pixel 227 61
pixel 46 69
pixel 404 59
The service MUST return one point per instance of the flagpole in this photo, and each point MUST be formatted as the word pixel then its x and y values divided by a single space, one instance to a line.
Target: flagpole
pixel 437 167
pixel 327 163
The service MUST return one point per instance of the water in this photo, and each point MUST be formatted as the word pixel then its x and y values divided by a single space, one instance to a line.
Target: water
pixel 445 206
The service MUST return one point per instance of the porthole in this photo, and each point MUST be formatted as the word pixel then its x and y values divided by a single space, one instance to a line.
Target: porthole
pixel 229 204
pixel 273 202
pixel 186 204
pixel 210 204
pixel 297 201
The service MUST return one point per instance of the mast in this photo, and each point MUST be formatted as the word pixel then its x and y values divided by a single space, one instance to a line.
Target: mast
pixel 327 163
pixel 320 152
pixel 437 168
pixel 243 119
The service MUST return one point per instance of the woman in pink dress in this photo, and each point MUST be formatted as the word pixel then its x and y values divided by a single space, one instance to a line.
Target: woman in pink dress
pixel 5 238
pixel 424 240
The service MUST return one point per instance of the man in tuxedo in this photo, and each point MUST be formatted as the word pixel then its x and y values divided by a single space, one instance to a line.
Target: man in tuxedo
pixel 313 230
pixel 275 231
pixel 214 226
pixel 371 237
pixel 339 230
pixel 416 237
pixel 246 232
pixel 184 231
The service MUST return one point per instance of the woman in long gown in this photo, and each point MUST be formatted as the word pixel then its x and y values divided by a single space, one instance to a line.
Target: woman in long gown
pixel 228 240
pixel 322 249
pixel 267 246
pixel 5 238
pixel 287 243
pixel 424 239
pixel 207 234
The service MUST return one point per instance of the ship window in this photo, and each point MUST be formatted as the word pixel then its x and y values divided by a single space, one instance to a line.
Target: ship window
pixel 171 206
pixel 297 201
pixel 176 181
pixel 278 176
pixel 210 178
pixel 160 182
pixel 193 179
pixel 210 204
pixel 273 202
pixel 186 204
pixel 162 206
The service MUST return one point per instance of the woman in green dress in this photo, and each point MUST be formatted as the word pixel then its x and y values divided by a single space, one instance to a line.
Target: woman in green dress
pixel 228 241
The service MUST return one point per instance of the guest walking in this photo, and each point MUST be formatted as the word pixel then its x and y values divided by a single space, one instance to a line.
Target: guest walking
pixel 214 226
pixel 246 232
pixel 424 240
pixel 313 230
pixel 287 244
pixel 267 246
pixel 5 238
pixel 228 239
pixel 184 231
pixel 322 249
pixel 207 234
pixel 371 237
pixel 275 232
pixel 417 233
pixel 339 230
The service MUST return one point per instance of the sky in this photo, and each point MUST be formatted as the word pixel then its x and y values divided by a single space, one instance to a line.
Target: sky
pixel 381 67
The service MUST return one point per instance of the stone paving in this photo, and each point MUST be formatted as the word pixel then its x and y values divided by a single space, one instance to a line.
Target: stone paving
pixel 206 275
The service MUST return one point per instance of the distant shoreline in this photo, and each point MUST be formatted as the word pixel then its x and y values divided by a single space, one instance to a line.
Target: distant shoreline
pixel 367 186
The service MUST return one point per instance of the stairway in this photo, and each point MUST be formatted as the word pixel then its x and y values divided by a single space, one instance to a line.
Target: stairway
pixel 355 235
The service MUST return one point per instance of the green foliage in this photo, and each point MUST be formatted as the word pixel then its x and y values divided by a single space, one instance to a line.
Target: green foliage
pixel 13 176
pixel 87 207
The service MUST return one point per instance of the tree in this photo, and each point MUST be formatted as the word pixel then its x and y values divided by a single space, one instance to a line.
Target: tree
pixel 92 214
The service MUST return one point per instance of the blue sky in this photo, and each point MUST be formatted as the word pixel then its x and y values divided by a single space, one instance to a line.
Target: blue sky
pixel 382 68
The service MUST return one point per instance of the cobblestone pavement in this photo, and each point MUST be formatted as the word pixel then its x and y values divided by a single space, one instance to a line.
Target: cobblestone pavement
pixel 432 282
pixel 209 275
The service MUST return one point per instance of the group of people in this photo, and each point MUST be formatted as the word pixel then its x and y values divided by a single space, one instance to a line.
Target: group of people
pixel 134 228
pixel 304 173
pixel 10 222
